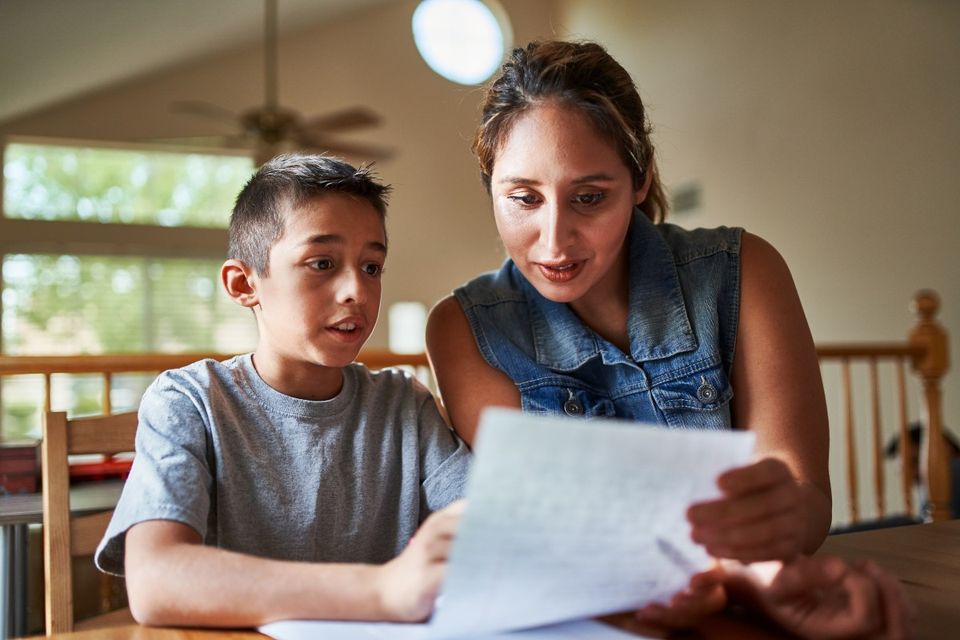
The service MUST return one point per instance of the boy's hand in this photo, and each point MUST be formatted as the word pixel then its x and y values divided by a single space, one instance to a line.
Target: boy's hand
pixel 825 597
pixel 704 596
pixel 409 583
pixel 758 518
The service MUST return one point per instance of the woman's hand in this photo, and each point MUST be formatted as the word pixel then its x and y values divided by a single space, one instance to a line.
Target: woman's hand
pixel 825 597
pixel 760 516
pixel 409 584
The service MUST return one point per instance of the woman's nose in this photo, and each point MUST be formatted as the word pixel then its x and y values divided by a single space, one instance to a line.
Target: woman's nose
pixel 557 228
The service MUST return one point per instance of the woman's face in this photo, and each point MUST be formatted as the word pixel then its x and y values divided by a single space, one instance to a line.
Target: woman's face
pixel 562 199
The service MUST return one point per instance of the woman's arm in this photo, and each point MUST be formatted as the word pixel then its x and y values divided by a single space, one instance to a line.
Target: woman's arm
pixel 467 383
pixel 781 505
pixel 174 579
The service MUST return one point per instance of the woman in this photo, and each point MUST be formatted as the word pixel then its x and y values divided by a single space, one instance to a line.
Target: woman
pixel 605 310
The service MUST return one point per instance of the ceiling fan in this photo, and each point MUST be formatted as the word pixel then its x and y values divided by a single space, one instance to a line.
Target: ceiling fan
pixel 271 129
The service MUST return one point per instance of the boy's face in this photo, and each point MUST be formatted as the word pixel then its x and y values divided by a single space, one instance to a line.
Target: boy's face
pixel 320 301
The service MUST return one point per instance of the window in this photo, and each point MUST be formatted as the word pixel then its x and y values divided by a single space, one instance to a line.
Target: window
pixel 111 250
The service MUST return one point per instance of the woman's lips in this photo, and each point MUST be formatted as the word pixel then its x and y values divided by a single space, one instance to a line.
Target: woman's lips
pixel 560 271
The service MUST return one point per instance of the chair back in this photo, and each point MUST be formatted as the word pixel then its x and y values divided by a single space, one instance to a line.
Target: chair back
pixel 64 536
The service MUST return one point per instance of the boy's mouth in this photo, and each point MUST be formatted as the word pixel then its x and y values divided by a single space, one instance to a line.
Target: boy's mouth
pixel 347 330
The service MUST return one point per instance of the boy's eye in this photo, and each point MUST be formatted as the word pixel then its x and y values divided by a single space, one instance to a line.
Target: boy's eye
pixel 373 269
pixel 589 198
pixel 322 264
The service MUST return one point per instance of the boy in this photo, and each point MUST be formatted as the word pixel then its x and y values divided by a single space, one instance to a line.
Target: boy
pixel 288 483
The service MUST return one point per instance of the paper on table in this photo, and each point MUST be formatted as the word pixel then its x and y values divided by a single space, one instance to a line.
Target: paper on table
pixel 321 629
pixel 565 519
pixel 570 519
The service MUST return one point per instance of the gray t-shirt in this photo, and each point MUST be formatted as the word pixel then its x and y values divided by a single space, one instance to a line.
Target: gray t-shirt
pixel 259 472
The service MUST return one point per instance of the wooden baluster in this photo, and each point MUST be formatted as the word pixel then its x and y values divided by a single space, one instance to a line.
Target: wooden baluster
pixel 878 484
pixel 907 470
pixel 47 393
pixel 931 366
pixel 107 386
pixel 850 437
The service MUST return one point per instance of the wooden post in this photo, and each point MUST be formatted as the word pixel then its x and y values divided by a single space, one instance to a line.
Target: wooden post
pixel 931 366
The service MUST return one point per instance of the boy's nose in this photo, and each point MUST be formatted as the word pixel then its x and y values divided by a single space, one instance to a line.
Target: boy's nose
pixel 351 288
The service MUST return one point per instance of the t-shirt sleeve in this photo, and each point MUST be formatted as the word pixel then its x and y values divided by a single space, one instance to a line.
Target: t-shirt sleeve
pixel 170 478
pixel 444 460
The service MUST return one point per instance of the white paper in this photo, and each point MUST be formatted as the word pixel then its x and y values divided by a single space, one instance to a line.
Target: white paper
pixel 571 518
pixel 566 519
pixel 321 629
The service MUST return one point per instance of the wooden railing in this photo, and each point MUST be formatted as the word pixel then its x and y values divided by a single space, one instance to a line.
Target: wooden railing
pixel 926 353
pixel 109 365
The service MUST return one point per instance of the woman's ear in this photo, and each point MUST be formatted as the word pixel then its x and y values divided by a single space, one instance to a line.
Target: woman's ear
pixel 641 193
pixel 240 282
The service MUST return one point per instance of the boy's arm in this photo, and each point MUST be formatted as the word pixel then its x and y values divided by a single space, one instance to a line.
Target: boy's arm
pixel 173 579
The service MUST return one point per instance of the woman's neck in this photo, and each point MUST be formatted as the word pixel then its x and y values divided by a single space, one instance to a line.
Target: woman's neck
pixel 606 306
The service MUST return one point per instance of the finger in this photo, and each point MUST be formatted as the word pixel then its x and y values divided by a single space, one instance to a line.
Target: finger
pixel 806 575
pixel 899 614
pixel 774 499
pixel 777 538
pixel 754 477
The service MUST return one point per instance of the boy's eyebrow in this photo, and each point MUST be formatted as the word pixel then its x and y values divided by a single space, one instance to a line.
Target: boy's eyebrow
pixel 332 238
pixel 593 177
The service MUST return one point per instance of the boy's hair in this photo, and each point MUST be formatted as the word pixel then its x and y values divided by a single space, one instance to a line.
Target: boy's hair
pixel 287 182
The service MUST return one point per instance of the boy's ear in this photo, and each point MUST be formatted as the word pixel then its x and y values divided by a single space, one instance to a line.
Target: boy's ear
pixel 240 282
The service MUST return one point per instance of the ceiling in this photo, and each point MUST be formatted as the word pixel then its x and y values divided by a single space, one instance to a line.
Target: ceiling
pixel 52 50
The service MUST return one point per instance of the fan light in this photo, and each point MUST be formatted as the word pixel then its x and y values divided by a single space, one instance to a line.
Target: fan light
pixel 462 40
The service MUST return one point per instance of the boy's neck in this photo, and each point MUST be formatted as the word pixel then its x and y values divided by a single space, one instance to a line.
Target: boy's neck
pixel 296 378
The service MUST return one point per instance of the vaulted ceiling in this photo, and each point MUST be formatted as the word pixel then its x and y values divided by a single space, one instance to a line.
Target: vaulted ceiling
pixel 54 50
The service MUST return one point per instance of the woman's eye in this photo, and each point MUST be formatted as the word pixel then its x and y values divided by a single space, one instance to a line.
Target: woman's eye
pixel 525 199
pixel 589 198
pixel 322 264
pixel 373 269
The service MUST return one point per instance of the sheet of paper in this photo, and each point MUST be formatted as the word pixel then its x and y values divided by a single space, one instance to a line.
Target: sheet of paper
pixel 571 519
pixel 321 629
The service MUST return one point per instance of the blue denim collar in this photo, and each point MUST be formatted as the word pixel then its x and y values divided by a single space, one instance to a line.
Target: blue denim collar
pixel 658 324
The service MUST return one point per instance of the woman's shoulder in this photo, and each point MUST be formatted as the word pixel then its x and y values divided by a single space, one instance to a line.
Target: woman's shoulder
pixel 692 244
pixel 493 287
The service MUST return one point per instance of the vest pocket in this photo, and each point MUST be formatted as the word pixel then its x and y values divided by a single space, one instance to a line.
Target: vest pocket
pixel 699 400
pixel 563 399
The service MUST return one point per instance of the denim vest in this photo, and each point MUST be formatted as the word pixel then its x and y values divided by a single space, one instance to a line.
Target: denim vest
pixel 684 302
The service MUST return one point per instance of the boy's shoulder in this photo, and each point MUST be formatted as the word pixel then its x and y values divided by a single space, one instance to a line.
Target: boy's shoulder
pixel 389 386
pixel 205 371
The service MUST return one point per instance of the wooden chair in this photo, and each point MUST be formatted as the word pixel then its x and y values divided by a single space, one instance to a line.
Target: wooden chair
pixel 66 537
pixel 926 353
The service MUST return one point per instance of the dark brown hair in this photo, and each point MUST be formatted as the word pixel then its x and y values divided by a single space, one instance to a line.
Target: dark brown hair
pixel 583 76
pixel 287 182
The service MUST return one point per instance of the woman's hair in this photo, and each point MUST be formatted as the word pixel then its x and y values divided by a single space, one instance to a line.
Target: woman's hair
pixel 584 76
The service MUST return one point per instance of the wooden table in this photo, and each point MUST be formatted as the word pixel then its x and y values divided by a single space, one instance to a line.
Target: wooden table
pixel 926 557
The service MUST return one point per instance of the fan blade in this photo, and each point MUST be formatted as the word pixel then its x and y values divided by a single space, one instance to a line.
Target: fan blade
pixel 349 118
pixel 205 110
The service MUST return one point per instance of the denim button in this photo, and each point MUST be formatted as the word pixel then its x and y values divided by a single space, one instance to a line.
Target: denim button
pixel 572 407
pixel 706 392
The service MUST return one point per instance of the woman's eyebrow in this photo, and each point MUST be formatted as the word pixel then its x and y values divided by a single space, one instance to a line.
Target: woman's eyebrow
pixel 593 177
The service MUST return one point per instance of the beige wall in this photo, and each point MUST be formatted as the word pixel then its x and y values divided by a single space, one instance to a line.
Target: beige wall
pixel 830 128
